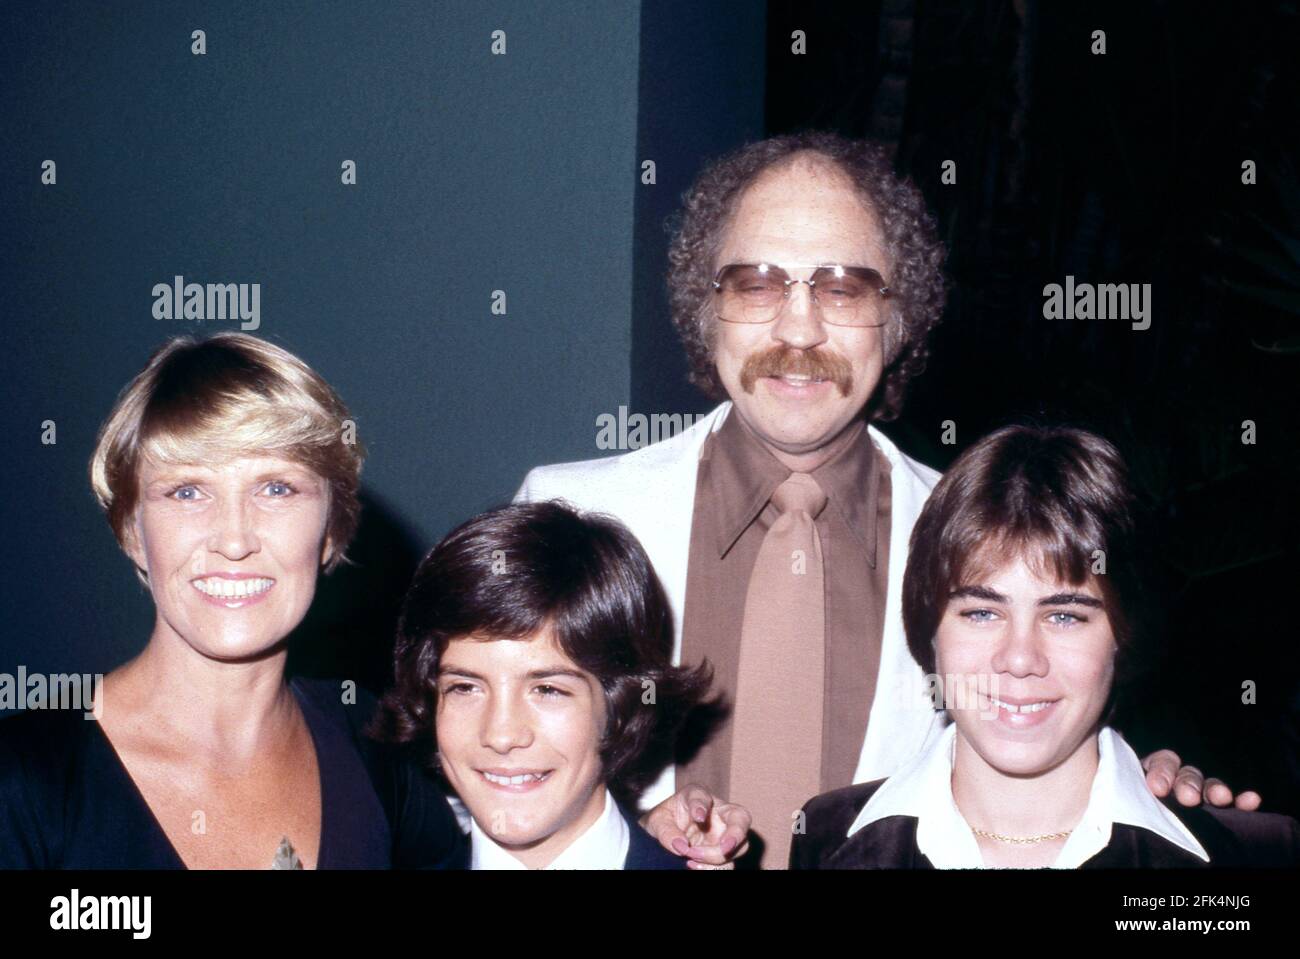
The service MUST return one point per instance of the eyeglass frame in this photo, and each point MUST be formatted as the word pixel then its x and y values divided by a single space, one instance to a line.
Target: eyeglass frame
pixel 883 291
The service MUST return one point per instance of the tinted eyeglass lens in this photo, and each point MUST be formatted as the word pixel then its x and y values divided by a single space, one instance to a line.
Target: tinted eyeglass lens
pixel 752 295
pixel 846 291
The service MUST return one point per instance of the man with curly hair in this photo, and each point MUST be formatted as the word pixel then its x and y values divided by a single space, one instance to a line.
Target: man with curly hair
pixel 805 278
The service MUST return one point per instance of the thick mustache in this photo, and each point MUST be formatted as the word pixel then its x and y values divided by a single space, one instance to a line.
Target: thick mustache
pixel 787 361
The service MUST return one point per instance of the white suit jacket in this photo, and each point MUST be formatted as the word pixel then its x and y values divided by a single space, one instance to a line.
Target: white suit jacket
pixel 652 492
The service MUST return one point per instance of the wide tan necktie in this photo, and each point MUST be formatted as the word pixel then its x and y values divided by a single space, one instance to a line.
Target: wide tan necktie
pixel 776 752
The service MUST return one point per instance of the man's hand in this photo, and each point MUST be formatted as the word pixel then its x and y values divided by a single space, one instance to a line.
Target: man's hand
pixel 708 832
pixel 1165 771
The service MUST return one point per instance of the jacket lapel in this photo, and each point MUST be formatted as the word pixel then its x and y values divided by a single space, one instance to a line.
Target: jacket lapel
pixel 663 523
pixel 902 718
pixel 642 850
pixel 885 844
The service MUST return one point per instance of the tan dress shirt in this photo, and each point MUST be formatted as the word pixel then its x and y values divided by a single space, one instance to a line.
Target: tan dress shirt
pixel 736 478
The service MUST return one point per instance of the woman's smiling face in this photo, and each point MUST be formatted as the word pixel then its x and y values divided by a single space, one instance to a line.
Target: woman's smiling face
pixel 1040 656
pixel 232 552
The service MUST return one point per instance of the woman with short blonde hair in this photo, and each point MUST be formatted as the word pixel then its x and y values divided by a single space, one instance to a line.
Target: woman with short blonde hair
pixel 217 400
pixel 228 470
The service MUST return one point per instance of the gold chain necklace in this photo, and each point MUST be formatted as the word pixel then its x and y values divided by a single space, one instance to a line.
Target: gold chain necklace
pixel 1021 840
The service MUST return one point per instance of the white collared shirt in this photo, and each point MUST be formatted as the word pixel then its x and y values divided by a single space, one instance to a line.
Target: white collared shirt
pixel 1119 794
pixel 603 845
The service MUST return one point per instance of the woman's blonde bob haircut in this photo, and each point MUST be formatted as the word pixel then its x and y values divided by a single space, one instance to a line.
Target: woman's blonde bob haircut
pixel 211 401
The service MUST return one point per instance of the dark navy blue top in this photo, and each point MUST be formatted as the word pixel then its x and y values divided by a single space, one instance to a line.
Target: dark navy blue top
pixel 67 802
pixel 643 852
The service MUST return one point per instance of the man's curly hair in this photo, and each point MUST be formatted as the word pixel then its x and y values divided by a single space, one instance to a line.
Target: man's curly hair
pixel 917 285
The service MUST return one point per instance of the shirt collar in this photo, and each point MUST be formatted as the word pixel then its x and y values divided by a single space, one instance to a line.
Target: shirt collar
pixel 1119 794
pixel 603 845
pixel 923 790
pixel 732 459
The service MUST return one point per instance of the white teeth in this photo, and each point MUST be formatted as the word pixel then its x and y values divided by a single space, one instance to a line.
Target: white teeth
pixel 801 379
pixel 514 780
pixel 1028 708
pixel 223 588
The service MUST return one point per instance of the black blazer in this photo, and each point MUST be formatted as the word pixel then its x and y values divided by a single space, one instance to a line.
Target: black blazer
pixel 1230 837
pixel 642 850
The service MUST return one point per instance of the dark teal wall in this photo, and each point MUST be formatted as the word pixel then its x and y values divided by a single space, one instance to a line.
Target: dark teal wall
pixel 475 173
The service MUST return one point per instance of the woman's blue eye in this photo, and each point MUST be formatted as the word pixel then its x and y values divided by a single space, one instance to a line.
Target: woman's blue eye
pixel 180 491
pixel 978 615
pixel 279 489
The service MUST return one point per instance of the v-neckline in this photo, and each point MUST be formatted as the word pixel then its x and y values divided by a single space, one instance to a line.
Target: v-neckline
pixel 138 796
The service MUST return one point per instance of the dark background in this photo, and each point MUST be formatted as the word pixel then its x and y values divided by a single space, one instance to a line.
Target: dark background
pixel 522 173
